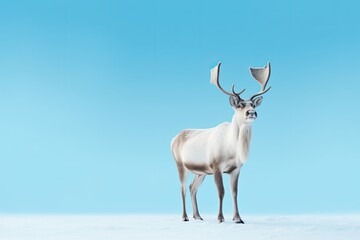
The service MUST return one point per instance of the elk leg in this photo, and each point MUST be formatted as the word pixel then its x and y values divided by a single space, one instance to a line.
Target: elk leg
pixel 234 176
pixel 221 192
pixel 194 186
pixel 183 178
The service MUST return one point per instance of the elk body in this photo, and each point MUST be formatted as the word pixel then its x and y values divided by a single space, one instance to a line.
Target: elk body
pixel 218 150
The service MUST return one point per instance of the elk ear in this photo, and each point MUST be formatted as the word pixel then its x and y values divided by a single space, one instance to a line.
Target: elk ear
pixel 257 101
pixel 234 101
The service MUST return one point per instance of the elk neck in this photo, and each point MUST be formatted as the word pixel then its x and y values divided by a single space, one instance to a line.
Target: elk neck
pixel 241 135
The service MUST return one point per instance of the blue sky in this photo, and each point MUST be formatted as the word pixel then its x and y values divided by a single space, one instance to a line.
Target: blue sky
pixel 91 93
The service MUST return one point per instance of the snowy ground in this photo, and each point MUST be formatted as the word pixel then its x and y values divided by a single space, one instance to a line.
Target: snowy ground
pixel 108 227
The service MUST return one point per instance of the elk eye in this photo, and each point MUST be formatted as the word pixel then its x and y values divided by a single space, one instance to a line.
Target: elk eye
pixel 241 105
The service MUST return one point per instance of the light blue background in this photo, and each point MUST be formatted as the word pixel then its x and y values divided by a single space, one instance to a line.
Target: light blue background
pixel 91 93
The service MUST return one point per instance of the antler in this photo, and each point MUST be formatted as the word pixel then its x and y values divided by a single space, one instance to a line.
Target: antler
pixel 262 75
pixel 214 79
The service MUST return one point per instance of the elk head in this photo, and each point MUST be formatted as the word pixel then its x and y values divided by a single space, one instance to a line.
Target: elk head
pixel 245 109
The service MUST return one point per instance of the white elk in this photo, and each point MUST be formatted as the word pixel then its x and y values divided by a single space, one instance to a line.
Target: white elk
pixel 218 150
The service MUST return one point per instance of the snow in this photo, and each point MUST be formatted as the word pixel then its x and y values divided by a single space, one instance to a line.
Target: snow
pixel 108 227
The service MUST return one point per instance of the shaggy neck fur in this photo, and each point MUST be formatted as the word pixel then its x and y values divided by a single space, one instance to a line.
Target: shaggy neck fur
pixel 242 134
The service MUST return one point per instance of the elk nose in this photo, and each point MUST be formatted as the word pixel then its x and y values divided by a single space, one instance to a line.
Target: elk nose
pixel 251 113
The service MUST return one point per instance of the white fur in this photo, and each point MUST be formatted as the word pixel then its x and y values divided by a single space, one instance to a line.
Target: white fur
pixel 221 147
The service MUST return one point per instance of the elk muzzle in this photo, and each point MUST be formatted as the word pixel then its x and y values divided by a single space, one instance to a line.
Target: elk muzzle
pixel 251 114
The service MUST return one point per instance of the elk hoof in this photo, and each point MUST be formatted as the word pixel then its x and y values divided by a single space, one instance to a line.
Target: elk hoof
pixel 198 218
pixel 221 218
pixel 239 221
pixel 185 218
